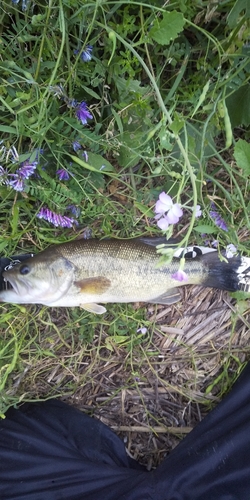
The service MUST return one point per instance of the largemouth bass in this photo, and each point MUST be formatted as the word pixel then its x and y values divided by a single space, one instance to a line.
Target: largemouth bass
pixel 86 272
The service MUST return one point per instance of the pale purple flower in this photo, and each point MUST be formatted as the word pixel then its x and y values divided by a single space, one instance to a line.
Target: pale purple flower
pixel 14 153
pixel 2 151
pixel 166 211
pixel 76 145
pixel 215 243
pixel 8 153
pixel 57 220
pixel 231 250
pixel 63 175
pixel 198 211
pixel 180 275
pixel 217 218
pixel 174 214
pixel 163 204
pixel 17 182
pixel 3 176
pixel 163 223
pixel 82 113
pixel 142 330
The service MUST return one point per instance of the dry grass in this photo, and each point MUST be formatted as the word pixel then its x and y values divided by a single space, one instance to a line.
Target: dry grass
pixel 151 392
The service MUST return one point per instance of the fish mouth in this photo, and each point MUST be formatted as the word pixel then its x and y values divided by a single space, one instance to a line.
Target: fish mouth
pixel 6 285
pixel 10 285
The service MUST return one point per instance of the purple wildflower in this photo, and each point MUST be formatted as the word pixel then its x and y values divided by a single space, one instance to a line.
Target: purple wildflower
pixel 3 176
pixel 82 113
pixel 217 218
pixel 24 4
pixel 180 275
pixel 166 211
pixel 56 219
pixel 76 145
pixel 6 153
pixel 14 153
pixel 215 243
pixel 72 103
pixel 2 150
pixel 27 169
pixel 74 210
pixel 63 174
pixel 17 182
pixel 86 54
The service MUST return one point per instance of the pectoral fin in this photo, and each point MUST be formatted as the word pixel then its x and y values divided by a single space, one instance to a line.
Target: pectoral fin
pixel 96 285
pixel 94 308
pixel 169 297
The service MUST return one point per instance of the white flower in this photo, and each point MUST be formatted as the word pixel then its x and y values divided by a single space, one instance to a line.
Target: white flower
pixel 231 250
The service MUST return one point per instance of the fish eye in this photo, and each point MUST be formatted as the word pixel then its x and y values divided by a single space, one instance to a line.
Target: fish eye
pixel 24 269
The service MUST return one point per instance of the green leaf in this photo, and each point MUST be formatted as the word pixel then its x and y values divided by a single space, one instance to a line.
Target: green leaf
pixel 8 130
pixel 96 163
pixel 3 244
pixel 201 98
pixel 177 124
pixel 91 92
pixel 38 19
pixel 144 209
pixel 238 105
pixel 14 220
pixel 240 295
pixel 242 155
pixel 238 7
pixel 168 28
pixel 130 148
pixel 118 120
pixel 203 228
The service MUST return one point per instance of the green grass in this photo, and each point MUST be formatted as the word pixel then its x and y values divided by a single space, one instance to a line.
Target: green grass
pixel 168 91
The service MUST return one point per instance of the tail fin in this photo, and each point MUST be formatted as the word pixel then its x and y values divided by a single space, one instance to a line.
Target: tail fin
pixel 233 275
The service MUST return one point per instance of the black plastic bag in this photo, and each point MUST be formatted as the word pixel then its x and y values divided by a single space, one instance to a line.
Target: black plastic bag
pixel 51 451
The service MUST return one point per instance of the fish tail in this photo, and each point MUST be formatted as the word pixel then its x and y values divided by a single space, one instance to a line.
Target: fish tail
pixel 232 276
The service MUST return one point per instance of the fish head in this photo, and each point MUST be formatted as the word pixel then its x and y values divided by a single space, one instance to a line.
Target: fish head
pixel 38 280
